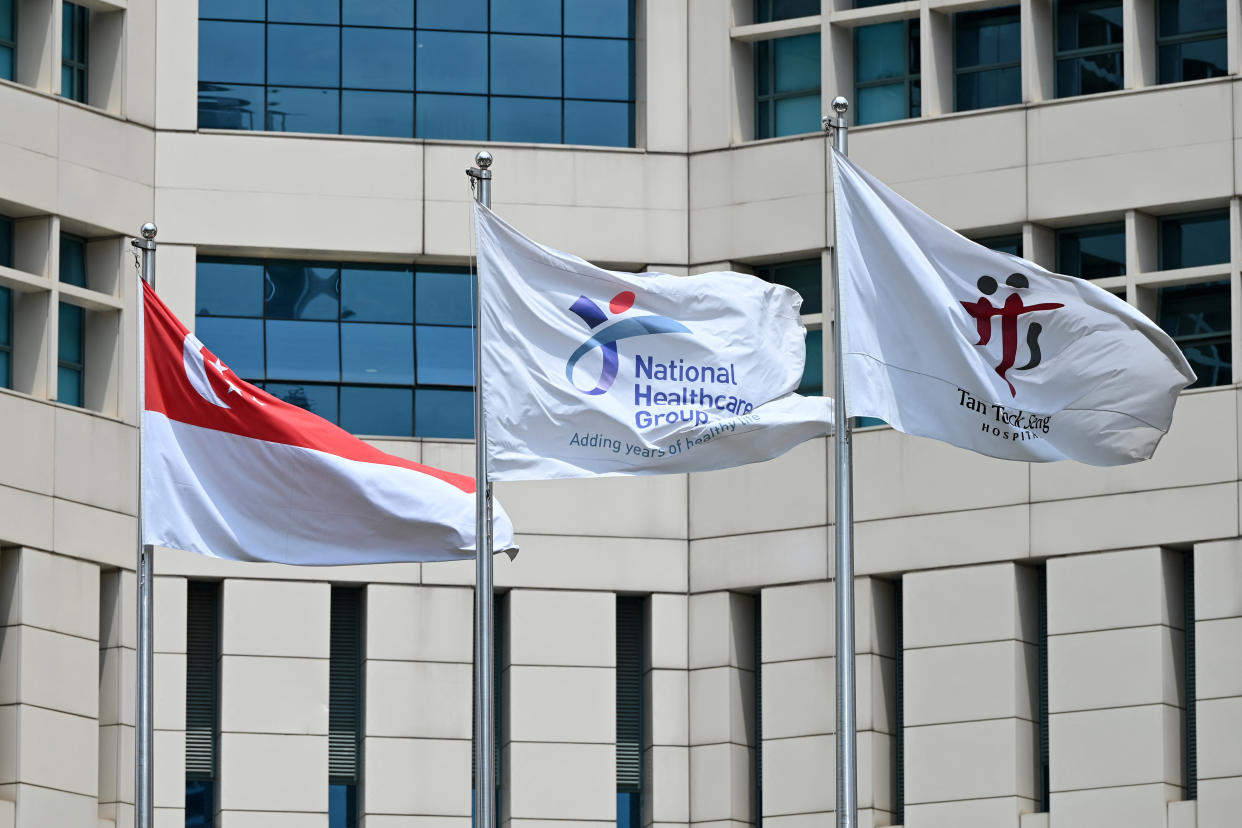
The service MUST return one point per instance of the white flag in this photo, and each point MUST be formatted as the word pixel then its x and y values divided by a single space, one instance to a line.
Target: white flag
pixel 588 372
pixel 947 339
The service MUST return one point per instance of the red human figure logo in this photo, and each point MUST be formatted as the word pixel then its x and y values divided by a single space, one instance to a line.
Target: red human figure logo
pixel 983 311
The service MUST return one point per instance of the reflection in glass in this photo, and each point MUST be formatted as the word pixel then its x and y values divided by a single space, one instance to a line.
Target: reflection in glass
pixel 444 298
pixel 443 413
pixel 296 290
pixel 1193 241
pixel 377 58
pixel 988 58
pixel 317 399
pixel 303 110
pixel 886 59
pixel 452 62
pixel 1089 43
pixel 452 117
pixel 444 355
pixel 1197 317
pixel 385 412
pixel 377 295
pixel 1194 60
pixel 238 342
pixel 1092 252
pixel 377 353
pixel 225 288
pixel 226 106
pixel 303 351
pixel 390 114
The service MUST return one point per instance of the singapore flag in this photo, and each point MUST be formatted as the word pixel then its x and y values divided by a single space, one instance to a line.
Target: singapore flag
pixel 232 472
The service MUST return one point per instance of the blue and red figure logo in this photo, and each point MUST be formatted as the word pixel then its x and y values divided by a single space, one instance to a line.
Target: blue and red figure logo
pixel 606 338
pixel 983 310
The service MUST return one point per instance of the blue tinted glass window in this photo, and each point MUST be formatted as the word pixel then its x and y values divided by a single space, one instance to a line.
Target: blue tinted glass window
pixel 444 298
pixel 75 35
pixel 442 413
pixel 230 52
pixel 886 67
pixel 452 62
pixel 71 333
pixel 6 242
pixel 303 55
pixel 230 106
pixel 467 15
pixel 603 18
pixel 806 277
pixel 389 114
pixel 1003 244
pixel 72 260
pixel 1088 47
pixel 813 373
pixel 232 9
pixel 6 61
pixel 387 412
pixel 377 353
pixel 988 56
pixel 317 399
pixel 303 110
pixel 229 288
pixel 395 13
pixel 534 120
pixel 786 86
pixel 452 116
pixel 526 65
pixel 374 295
pixel 1191 40
pixel 295 290
pixel 769 10
pixel 304 11
pixel 600 69
pixel 1193 241
pixel 527 16
pixel 1197 317
pixel 1092 252
pixel 377 58
pixel 303 351
pixel 239 342
pixel 342 806
pixel 600 123
pixel 6 336
pixel 444 355
pixel 8 37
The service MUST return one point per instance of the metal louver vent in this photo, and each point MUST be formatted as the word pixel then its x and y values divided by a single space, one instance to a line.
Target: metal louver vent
pixel 345 685
pixel 201 678
pixel 629 694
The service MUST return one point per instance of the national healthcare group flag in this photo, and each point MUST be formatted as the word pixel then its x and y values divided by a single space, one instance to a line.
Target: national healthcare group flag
pixel 590 372
pixel 945 338
pixel 230 471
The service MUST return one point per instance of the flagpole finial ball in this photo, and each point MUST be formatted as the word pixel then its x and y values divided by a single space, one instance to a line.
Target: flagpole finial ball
pixel 148 231
pixel 840 105
pixel 483 159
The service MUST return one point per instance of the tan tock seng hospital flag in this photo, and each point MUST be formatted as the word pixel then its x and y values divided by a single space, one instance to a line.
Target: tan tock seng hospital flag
pixel 947 339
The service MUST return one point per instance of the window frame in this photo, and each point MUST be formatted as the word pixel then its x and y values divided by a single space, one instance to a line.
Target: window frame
pixel 982 68
pixel 1163 221
pixel 765 128
pixel 1060 55
pixel 908 80
pixel 78 62
pixel 11 45
pixel 1098 226
pixel 1163 40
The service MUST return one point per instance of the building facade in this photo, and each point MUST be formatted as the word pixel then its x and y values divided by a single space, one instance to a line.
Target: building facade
pixel 1039 646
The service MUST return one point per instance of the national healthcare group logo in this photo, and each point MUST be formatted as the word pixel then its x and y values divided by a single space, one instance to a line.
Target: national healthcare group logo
pixel 606 338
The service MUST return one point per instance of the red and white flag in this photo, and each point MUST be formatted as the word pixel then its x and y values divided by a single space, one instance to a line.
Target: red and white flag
pixel 230 471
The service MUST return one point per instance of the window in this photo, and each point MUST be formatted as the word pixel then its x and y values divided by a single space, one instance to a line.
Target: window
pixel 1088 47
pixel 1197 317
pixel 1190 40
pixel 1092 252
pixel 787 86
pixel 8 38
pixel 630 712
pixel 806 277
pixel 202 692
pixel 1194 240
pixel 886 71
pixel 987 58
pixel 1004 244
pixel 550 72
pixel 70 361
pixel 6 306
pixel 74 35
pixel 382 350
pixel 345 668
pixel 72 260
pixel 768 10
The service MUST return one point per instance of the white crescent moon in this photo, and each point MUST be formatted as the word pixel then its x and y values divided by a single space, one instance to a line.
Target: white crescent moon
pixel 196 370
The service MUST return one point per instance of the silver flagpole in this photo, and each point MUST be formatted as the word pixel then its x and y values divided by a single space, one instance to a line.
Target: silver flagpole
pixel 144 767
pixel 484 644
pixel 847 722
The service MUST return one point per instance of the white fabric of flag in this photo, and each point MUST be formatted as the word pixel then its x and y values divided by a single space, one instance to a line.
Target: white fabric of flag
pixel 230 471
pixel 947 339
pixel 590 372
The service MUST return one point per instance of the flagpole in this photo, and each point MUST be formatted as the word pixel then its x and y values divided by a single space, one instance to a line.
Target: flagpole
pixel 484 644
pixel 144 767
pixel 847 721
